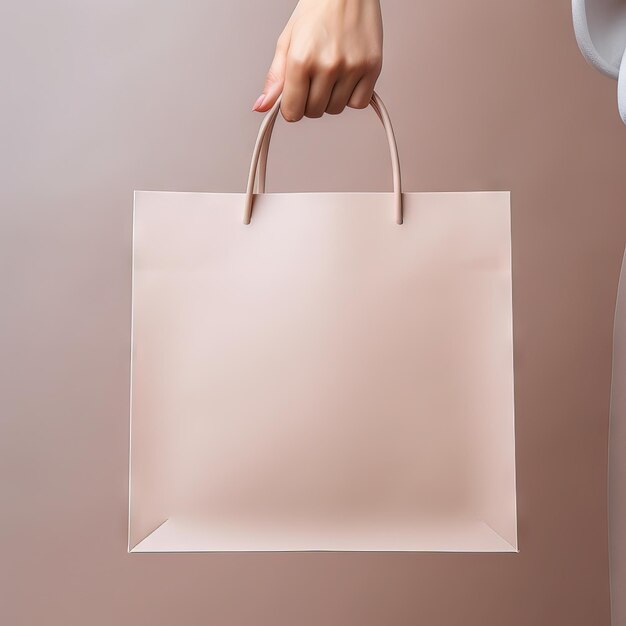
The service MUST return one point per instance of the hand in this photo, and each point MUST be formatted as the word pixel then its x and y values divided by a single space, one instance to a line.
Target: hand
pixel 329 56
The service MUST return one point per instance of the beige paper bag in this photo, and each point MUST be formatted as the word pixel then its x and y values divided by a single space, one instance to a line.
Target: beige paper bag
pixel 336 374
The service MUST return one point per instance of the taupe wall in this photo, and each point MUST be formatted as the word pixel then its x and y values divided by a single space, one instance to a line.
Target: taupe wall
pixel 100 98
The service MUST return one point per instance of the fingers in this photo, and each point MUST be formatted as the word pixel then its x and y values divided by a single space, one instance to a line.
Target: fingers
pixel 342 91
pixel 337 85
pixel 312 94
pixel 274 80
pixel 295 90
pixel 322 84
pixel 311 86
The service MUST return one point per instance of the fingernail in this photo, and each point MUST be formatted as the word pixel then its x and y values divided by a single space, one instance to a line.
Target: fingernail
pixel 259 102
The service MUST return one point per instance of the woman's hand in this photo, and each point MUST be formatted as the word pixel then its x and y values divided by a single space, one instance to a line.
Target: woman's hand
pixel 328 57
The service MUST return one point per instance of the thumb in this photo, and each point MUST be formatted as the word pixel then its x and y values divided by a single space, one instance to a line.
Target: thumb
pixel 274 81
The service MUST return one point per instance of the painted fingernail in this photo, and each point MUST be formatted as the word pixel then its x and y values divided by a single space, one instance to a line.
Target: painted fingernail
pixel 258 102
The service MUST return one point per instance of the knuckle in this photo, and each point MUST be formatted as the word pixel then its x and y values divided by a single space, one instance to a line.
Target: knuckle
pixel 365 64
pixel 299 62
pixel 330 66
pixel 374 64
pixel 355 65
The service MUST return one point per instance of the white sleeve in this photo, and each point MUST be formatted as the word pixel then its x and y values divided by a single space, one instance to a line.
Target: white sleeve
pixel 600 27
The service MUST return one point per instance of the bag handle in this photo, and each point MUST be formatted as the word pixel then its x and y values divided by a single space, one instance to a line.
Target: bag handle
pixel 258 165
pixel 261 172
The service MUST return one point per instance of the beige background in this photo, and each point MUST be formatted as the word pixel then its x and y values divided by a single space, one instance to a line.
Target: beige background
pixel 101 98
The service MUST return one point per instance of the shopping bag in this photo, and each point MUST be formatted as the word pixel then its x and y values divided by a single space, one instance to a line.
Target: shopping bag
pixel 325 371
